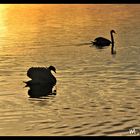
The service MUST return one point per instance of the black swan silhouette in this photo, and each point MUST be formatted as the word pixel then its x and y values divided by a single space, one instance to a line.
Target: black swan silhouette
pixel 42 81
pixel 101 42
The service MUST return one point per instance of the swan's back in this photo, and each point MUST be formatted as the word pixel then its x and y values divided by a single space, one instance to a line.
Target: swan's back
pixel 101 41
pixel 41 74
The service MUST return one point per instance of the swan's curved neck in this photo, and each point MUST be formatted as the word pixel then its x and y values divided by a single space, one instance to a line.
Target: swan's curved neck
pixel 112 40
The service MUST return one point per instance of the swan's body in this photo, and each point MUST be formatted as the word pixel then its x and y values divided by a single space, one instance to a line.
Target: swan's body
pixel 42 78
pixel 101 42
pixel 42 75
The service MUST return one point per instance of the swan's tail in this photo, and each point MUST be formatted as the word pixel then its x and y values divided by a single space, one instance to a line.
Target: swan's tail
pixel 93 43
pixel 26 82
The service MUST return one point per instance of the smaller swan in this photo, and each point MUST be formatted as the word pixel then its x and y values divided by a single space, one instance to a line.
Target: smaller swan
pixel 101 42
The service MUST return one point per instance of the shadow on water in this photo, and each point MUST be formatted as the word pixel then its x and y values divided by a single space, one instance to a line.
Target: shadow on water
pixel 82 44
pixel 68 45
pixel 40 90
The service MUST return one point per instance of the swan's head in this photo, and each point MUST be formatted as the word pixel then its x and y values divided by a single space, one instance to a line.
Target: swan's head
pixel 52 68
pixel 112 31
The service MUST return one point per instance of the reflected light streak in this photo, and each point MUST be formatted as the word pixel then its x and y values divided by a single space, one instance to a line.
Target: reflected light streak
pixel 2 18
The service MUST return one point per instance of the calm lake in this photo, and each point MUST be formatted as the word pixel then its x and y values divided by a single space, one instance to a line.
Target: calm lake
pixel 97 93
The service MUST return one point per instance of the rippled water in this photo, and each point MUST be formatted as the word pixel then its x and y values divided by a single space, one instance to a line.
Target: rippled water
pixel 97 93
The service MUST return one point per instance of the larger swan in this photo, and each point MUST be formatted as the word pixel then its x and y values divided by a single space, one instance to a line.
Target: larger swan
pixel 101 42
pixel 42 79
pixel 42 74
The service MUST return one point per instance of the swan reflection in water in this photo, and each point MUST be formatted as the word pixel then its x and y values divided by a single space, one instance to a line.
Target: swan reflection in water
pixel 43 82
pixel 37 91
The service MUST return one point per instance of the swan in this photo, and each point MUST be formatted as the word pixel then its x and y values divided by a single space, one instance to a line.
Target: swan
pixel 101 42
pixel 42 74
pixel 42 79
